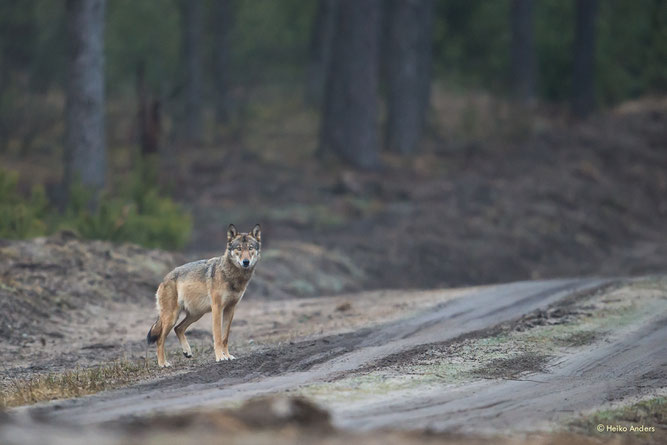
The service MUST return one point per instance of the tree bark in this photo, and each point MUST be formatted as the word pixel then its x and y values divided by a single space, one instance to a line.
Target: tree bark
pixel 320 50
pixel 224 15
pixel 350 122
pixel 148 117
pixel 523 51
pixel 409 53
pixel 583 73
pixel 192 24
pixel 85 145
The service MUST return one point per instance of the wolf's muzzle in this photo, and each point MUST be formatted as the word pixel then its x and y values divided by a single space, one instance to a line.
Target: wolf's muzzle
pixel 246 263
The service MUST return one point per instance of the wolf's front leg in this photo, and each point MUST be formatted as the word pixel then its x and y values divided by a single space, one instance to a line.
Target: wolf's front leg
pixel 227 317
pixel 217 331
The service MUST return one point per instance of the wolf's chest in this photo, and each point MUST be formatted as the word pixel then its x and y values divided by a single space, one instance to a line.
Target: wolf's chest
pixel 234 292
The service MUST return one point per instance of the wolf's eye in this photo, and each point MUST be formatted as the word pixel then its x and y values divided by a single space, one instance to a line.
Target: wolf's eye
pixel 251 248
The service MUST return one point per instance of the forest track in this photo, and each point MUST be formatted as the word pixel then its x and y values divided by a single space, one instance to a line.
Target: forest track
pixel 627 361
pixel 633 362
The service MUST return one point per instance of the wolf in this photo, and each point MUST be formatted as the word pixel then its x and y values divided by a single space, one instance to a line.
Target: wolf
pixel 215 285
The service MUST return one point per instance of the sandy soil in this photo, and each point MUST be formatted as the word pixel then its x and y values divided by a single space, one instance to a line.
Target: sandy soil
pixel 520 358
pixel 631 360
pixel 120 328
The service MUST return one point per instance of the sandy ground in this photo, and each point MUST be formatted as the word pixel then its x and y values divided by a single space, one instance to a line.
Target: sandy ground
pixel 350 372
pixel 119 329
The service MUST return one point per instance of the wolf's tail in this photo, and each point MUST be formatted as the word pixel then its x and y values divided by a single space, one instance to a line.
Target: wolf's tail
pixel 154 331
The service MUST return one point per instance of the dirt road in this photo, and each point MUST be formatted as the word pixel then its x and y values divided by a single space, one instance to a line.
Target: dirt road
pixel 631 361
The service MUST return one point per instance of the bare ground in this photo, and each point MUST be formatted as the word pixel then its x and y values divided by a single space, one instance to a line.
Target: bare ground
pixel 494 360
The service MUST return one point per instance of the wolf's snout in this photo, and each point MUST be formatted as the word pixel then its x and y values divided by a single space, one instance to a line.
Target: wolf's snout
pixel 246 263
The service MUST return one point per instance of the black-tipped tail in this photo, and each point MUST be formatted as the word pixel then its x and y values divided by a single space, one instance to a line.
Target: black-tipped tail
pixel 154 332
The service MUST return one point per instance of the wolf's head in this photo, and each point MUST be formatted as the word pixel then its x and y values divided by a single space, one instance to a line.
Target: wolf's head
pixel 243 249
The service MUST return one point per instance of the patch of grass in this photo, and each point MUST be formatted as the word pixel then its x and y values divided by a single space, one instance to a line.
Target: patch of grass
pixel 587 326
pixel 649 413
pixel 355 388
pixel 75 383
pixel 577 338
pixel 649 283
pixel 511 367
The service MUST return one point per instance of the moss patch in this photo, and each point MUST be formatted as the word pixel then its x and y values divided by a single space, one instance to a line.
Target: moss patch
pixel 578 338
pixel 511 367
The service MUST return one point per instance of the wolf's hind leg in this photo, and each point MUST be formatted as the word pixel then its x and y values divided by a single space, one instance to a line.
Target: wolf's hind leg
pixel 180 332
pixel 168 318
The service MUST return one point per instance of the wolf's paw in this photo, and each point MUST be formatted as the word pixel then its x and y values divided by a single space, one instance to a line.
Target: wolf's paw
pixel 187 354
pixel 231 357
pixel 221 359
pixel 166 365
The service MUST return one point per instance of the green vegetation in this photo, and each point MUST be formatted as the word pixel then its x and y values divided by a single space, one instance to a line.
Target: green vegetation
pixel 20 218
pixel 630 53
pixel 135 213
pixel 652 411
pixel 648 413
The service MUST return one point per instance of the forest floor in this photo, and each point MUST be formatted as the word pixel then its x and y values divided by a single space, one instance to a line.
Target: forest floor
pixel 496 194
pixel 524 197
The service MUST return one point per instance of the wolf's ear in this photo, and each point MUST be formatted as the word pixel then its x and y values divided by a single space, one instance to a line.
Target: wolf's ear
pixel 257 232
pixel 231 232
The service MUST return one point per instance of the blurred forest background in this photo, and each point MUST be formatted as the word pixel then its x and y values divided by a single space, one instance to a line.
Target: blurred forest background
pixel 398 142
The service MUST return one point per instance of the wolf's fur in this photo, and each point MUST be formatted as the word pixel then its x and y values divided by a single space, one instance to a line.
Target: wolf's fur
pixel 215 285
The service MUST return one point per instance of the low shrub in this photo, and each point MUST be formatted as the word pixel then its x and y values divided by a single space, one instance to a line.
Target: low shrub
pixel 135 212
pixel 21 217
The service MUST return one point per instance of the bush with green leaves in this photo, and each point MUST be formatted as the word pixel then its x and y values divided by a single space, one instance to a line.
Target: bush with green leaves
pixel 21 217
pixel 135 213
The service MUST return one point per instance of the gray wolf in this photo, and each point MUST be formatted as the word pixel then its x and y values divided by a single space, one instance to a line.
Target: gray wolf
pixel 215 285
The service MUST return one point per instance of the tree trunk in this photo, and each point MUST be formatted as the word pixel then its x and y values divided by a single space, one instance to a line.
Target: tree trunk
pixel 523 51
pixel 224 19
pixel 656 69
pixel 85 146
pixel 148 117
pixel 320 50
pixel 350 121
pixel 150 128
pixel 192 24
pixel 409 52
pixel 583 73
